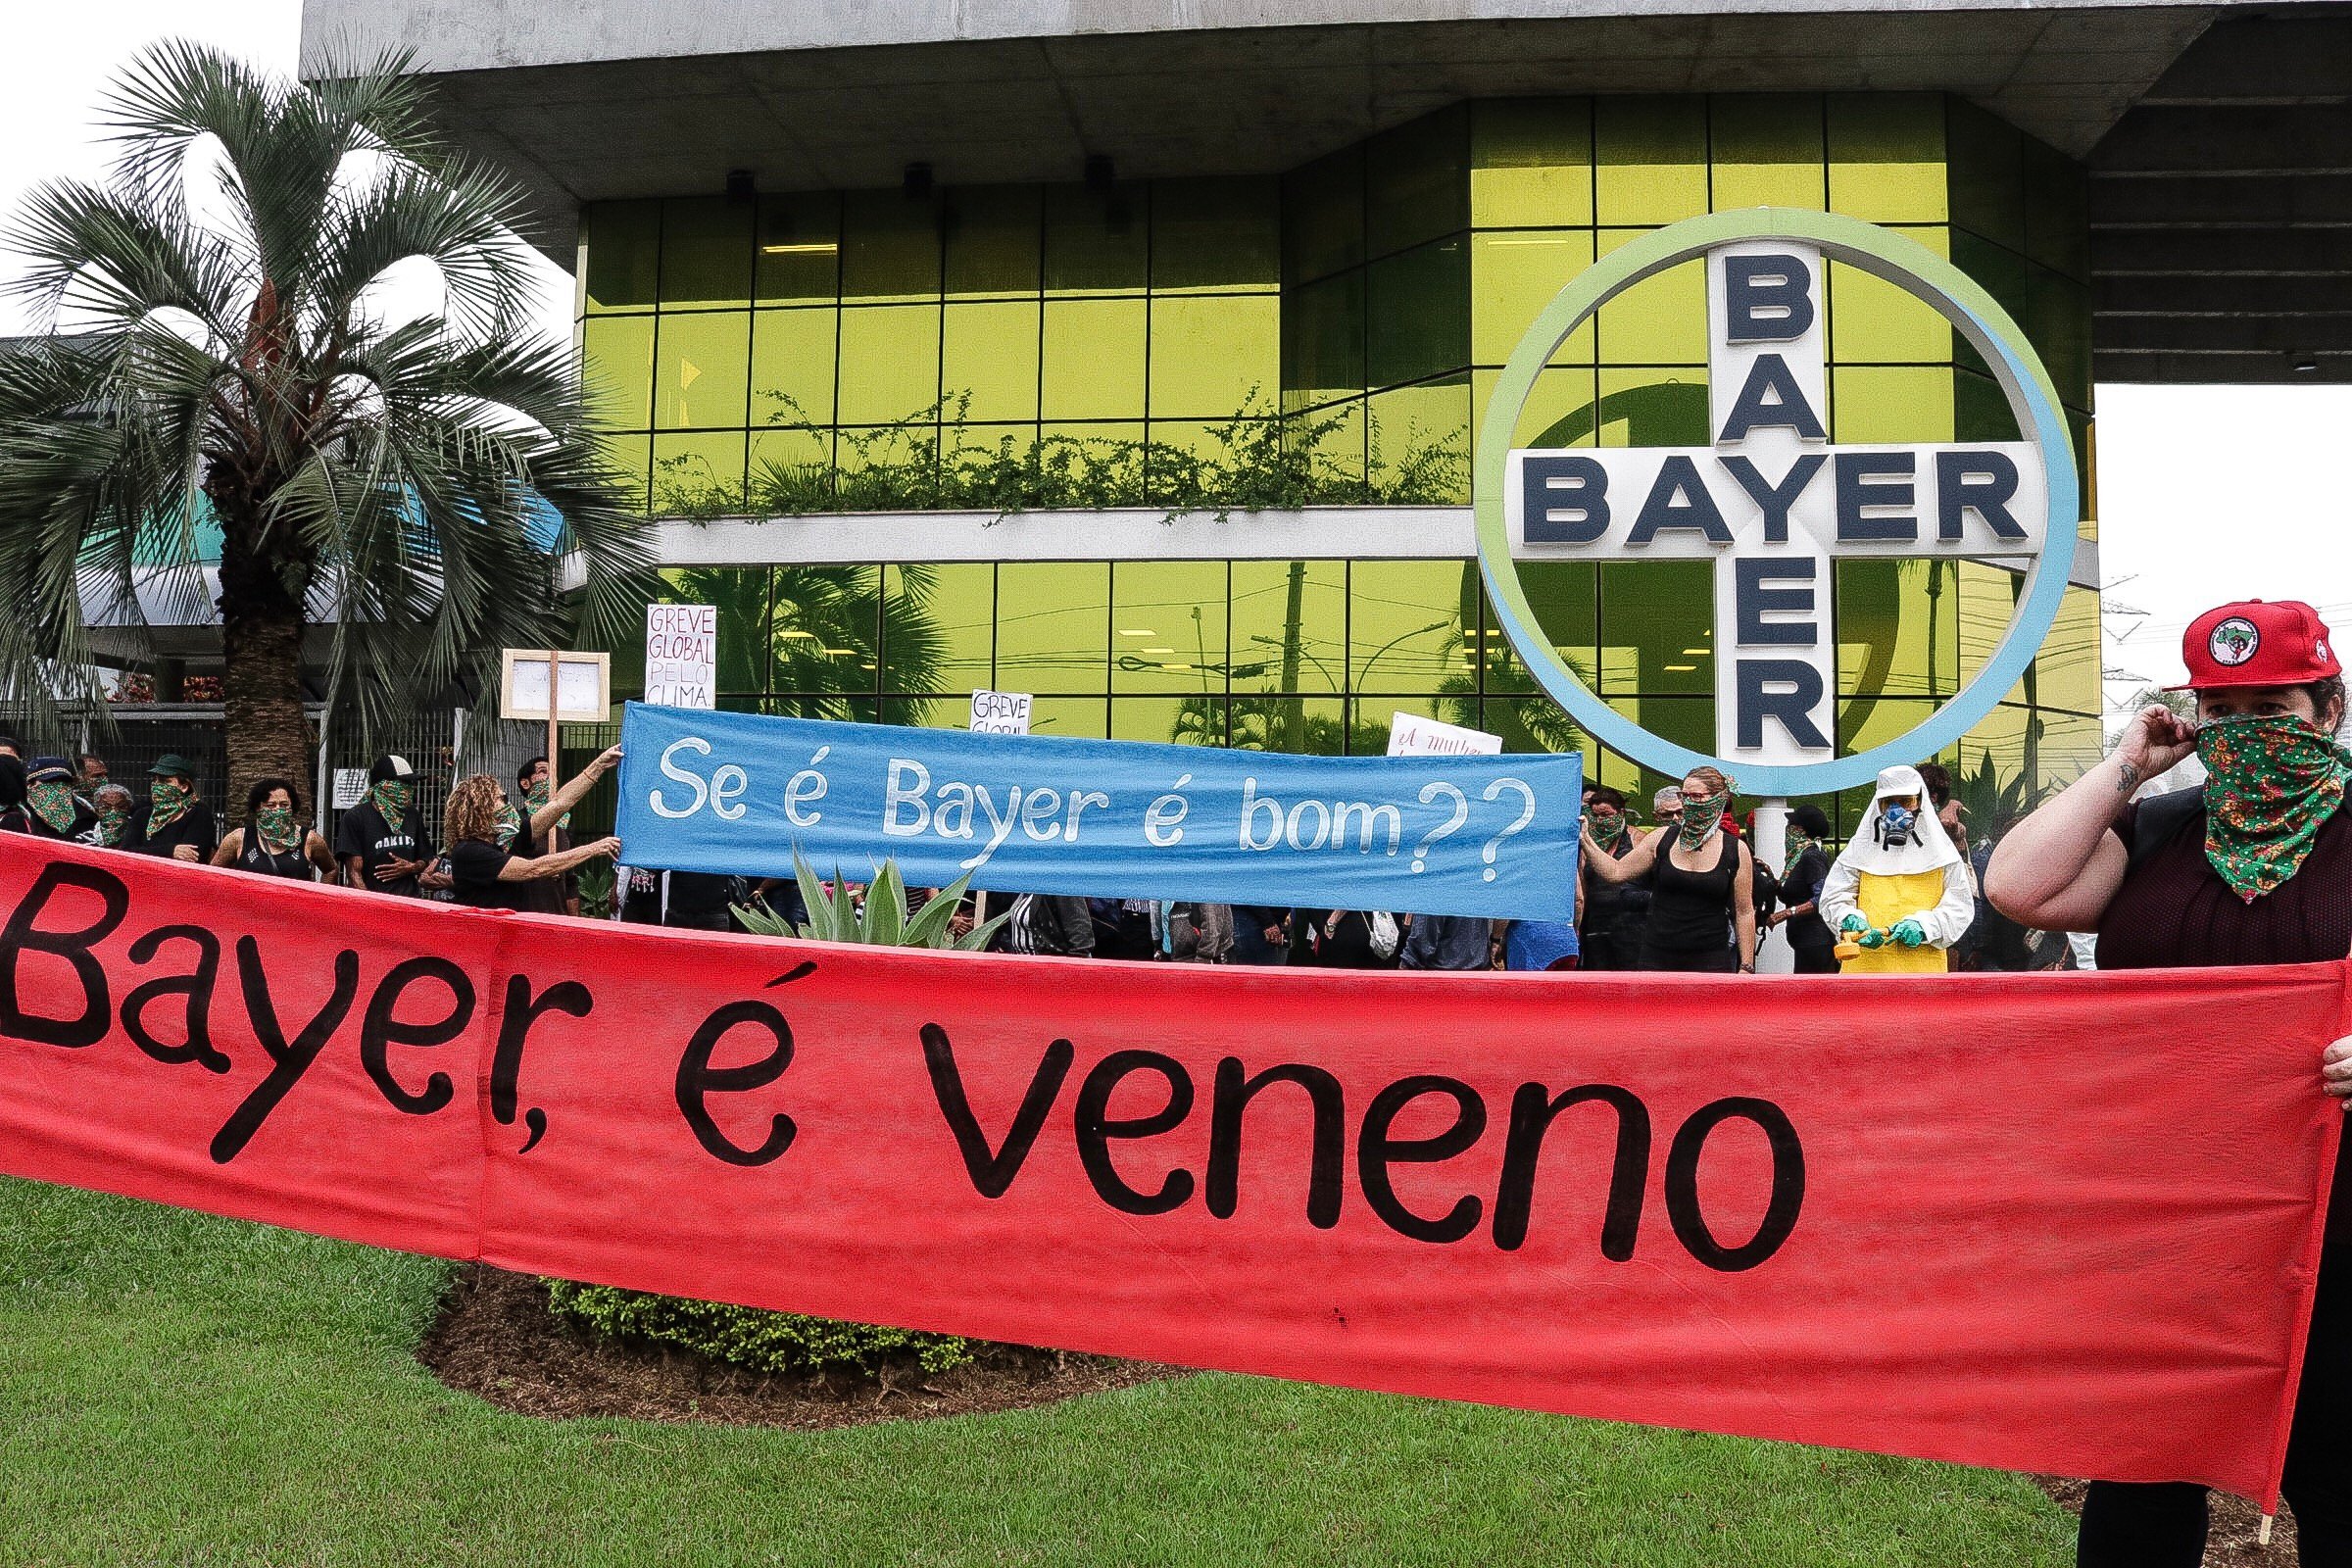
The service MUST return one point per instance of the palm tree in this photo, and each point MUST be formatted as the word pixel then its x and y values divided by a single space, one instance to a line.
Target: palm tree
pixel 409 486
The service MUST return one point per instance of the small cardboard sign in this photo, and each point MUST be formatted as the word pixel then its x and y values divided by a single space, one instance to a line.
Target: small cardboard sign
pixel 583 694
pixel 681 656
pixel 1413 735
pixel 1001 713
pixel 351 787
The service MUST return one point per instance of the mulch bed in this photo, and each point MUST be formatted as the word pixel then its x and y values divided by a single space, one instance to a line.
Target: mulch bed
pixel 495 1337
pixel 2234 1523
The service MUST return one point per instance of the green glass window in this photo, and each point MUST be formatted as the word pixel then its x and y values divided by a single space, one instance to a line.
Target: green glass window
pixel 1865 721
pixel 1650 159
pixel 1561 409
pixel 994 240
pixel 1898 627
pixel 1417 442
pixel 1290 626
pixel 1094 359
pixel 1653 408
pixel 1214 354
pixel 939 626
pixel 1767 150
pixel 1987 174
pixel 1223 235
pixel 1408 622
pixel 2057 211
pixel 1052 634
pixel 1323 329
pixel 798 261
pixel 825 624
pixel 2066 670
pixel 2069 746
pixel 1419 308
pixel 700 369
pixel 699 470
pixel 2057 323
pixel 1323 216
pixel 1980 410
pixel 889 247
pixel 1182 448
pixel 1660 320
pixel 1531 162
pixel 739 595
pixel 631 457
pixel 792 367
pixel 1537 723
pixel 989 350
pixel 620 256
pixel 1098 242
pixel 617 354
pixel 706 253
pixel 1890 403
pixel 1886 157
pixel 1416 185
pixel 1875 321
pixel 1566 596
pixel 1657 622
pixel 789 464
pixel 1167 631
pixel 1988 604
pixel 1086 719
pixel 1104 457
pixel 925 713
pixel 889 361
pixel 1336 436
pixel 1515 273
pixel 1197 721
pixel 1370 718
pixel 1310 726
pixel 1683 720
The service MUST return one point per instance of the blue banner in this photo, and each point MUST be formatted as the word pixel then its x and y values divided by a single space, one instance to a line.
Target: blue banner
pixel 737 793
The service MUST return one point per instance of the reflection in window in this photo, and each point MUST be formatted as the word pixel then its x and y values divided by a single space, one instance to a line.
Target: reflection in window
pixel 1216 233
pixel 700 366
pixel 698 472
pixel 1213 355
pixel 889 247
pixel 1657 627
pixel 706 253
pixel 1290 625
pixel 889 361
pixel 622 243
pixel 1416 184
pixel 1098 242
pixel 798 261
pixel 1167 629
pixel 1323 341
pixel 989 352
pixel 1531 162
pixel 1050 632
pixel 792 367
pixel 1419 305
pixel 1898 627
pixel 1094 359
pixel 1650 157
pixel 826 630
pixel 992 241
pixel 938 627
pixel 1409 623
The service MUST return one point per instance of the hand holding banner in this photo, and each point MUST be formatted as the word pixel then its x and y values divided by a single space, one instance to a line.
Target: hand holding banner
pixel 737 793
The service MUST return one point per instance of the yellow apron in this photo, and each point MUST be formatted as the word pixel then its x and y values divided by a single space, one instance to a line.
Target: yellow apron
pixel 1886 900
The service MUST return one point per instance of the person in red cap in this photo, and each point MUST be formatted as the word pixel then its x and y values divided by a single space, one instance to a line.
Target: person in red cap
pixel 2254 866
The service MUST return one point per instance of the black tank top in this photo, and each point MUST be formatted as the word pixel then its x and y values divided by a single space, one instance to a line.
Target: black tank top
pixel 1690 911
pixel 256 857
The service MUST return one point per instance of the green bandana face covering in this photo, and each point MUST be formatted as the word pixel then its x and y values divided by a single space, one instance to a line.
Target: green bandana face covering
pixel 1606 825
pixel 2270 784
pixel 537 797
pixel 1701 823
pixel 391 798
pixel 1800 841
pixel 510 823
pixel 52 803
pixel 112 818
pixel 280 833
pixel 170 797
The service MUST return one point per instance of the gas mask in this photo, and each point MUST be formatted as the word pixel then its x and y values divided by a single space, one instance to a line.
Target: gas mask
pixel 1897 824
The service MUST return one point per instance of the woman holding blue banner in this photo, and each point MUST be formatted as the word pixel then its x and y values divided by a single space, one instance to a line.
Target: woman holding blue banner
pixel 1703 897
pixel 2252 867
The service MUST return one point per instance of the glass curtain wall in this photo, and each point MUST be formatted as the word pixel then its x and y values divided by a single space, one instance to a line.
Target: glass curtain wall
pixel 1371 296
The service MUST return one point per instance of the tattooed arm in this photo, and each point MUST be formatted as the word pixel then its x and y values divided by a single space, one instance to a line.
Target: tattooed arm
pixel 2057 870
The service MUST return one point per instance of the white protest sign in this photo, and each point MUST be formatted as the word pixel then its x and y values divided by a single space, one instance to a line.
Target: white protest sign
pixel 351 787
pixel 1412 735
pixel 999 712
pixel 681 655
pixel 583 695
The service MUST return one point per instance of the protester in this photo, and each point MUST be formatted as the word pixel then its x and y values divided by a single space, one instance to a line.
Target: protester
pixel 382 843
pixel 274 840
pixel 1260 934
pixel 14 817
pixel 1448 942
pixel 1899 894
pixel 2249 868
pixel 551 833
pixel 9 746
pixel 480 823
pixel 1948 810
pixel 113 803
pixel 1040 923
pixel 1702 915
pixel 1614 911
pixel 53 811
pixel 683 901
pixel 1667 806
pixel 172 822
pixel 1194 932
pixel 1806 868
pixel 1354 939
pixel 93 769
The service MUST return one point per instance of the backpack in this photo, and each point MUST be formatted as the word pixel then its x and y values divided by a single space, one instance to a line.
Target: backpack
pixel 1384 934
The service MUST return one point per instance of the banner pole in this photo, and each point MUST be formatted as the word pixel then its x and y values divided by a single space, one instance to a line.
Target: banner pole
pixel 555 766
pixel 1771 850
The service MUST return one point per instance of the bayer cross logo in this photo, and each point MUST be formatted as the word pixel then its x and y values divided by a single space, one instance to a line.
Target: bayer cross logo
pixel 2234 642
pixel 1772 502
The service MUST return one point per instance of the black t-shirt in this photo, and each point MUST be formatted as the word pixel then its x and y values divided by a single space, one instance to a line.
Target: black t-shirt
pixel 363 832
pixel 547 895
pixel 1803 886
pixel 194 828
pixel 473 865
pixel 83 829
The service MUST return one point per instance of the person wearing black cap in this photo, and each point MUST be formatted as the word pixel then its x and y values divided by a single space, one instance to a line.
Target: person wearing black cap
pixel 52 809
pixel 173 821
pixel 2254 866
pixel 1807 869
pixel 382 843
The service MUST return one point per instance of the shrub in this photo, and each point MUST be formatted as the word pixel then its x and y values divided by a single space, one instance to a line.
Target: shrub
pixel 746 1335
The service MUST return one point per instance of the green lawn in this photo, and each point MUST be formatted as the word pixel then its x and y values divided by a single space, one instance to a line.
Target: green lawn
pixel 175 1388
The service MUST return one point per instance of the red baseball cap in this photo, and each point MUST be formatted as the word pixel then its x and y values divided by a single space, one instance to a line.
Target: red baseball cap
pixel 2257 643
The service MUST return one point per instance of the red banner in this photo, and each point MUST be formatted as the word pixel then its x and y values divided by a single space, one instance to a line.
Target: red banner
pixel 2060 1223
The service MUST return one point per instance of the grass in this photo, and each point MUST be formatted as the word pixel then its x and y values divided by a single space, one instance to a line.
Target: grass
pixel 177 1389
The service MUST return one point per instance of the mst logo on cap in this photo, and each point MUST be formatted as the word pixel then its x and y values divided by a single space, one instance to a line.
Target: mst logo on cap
pixel 2257 643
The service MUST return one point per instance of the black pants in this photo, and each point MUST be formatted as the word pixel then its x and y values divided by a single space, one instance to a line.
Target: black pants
pixel 1607 949
pixel 1688 960
pixel 1815 961
pixel 2163 1526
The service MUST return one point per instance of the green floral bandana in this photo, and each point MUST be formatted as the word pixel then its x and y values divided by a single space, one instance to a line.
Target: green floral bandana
pixel 391 798
pixel 1701 825
pixel 510 823
pixel 172 801
pixel 1800 841
pixel 537 797
pixel 280 833
pixel 2270 784
pixel 53 802
pixel 113 820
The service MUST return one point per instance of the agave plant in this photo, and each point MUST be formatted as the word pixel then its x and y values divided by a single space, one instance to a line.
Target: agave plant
pixel 880 921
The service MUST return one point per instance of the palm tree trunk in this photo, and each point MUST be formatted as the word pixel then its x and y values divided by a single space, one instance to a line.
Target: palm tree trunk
pixel 260 687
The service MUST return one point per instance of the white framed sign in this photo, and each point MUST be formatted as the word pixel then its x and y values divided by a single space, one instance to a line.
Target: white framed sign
pixel 681 656
pixel 1413 735
pixel 1001 713
pixel 583 691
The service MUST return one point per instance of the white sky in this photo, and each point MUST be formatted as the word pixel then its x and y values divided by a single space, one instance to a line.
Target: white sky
pixel 2205 493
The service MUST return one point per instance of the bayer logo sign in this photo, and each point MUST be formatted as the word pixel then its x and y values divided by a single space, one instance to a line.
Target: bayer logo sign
pixel 1772 502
